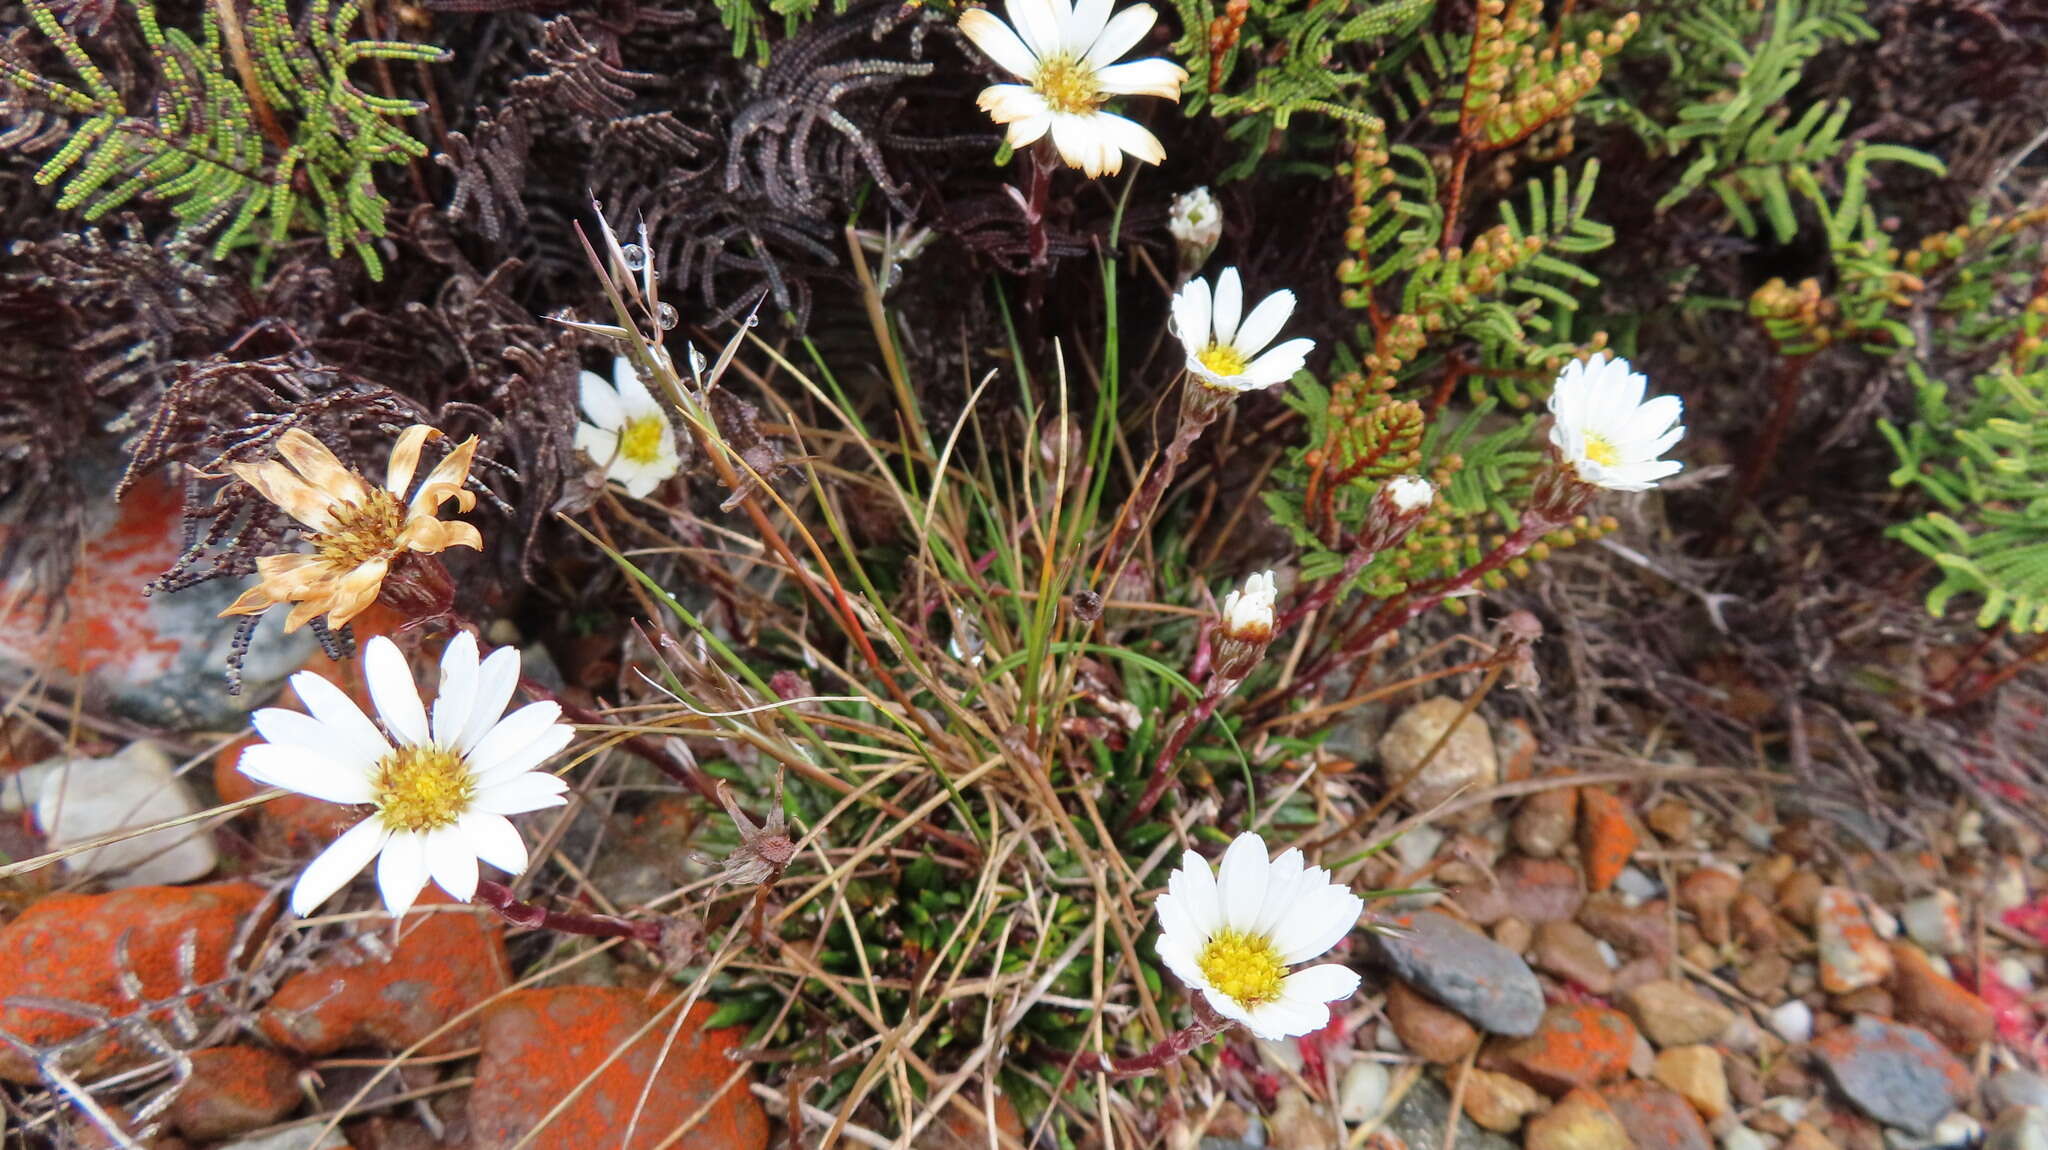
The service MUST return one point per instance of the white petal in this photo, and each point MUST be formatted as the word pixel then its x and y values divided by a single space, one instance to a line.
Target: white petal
pixel 1265 322
pixel 1152 77
pixel 1128 136
pixel 1026 132
pixel 1242 881
pixel 998 42
pixel 1204 901
pixel 1082 144
pixel 540 749
pixel 1229 306
pixel 343 860
pixel 452 863
pixel 512 735
pixel 1328 982
pixel 638 481
pixel 1122 33
pixel 532 791
pixel 1283 885
pixel 1180 958
pixel 307 772
pixel 495 840
pixel 1285 1018
pixel 634 398
pixel 392 689
pixel 1036 25
pixel 600 402
pixel 1279 365
pixel 340 714
pixel 456 693
pixel 402 871
pixel 1008 103
pixel 496 679
pixel 1228 1007
pixel 1316 922
pixel 1191 309
pixel 600 445
pixel 1085 25
pixel 296 729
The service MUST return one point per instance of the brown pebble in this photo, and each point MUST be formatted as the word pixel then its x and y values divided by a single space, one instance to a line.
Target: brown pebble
pixel 1673 821
pixel 1636 931
pixel 1788 1077
pixel 1545 821
pixel 1807 1136
pixel 1798 895
pixel 1708 893
pixel 1764 976
pixel 1635 972
pixel 1435 1033
pixel 1753 922
pixel 1499 1102
pixel 1869 1000
pixel 1566 950
pixel 1743 1082
pixel 1540 890
pixel 1514 933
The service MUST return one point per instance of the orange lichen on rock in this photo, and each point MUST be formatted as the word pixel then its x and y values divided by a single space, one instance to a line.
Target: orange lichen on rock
pixel 91 950
pixel 1607 838
pixel 1576 1046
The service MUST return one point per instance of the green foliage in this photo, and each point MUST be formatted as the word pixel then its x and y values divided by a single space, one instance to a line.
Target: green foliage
pixel 254 129
pixel 1983 457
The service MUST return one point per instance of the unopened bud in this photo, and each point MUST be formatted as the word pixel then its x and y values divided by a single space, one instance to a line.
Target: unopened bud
pixel 1196 221
pixel 1247 627
pixel 1397 506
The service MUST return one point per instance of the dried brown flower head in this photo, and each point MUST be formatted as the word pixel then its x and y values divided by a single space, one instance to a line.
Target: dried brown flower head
pixel 357 531
pixel 764 850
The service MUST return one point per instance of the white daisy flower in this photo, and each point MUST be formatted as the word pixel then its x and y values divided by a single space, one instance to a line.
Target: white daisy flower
pixel 1606 431
pixel 1065 54
pixel 1232 936
pixel 442 787
pixel 628 434
pixel 1223 352
pixel 1410 493
pixel 1248 614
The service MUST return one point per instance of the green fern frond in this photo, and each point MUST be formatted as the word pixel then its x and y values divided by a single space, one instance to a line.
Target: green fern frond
pixel 220 162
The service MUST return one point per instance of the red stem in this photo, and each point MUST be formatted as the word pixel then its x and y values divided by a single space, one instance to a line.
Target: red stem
pixel 519 912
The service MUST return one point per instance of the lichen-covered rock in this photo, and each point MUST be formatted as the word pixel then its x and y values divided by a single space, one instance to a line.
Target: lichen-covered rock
pixel 447 960
pixel 1898 1075
pixel 233 1090
pixel 1574 1046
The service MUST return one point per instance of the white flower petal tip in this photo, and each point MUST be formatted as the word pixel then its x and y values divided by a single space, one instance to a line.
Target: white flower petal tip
pixel 439 789
pixel 1229 354
pixel 1065 54
pixel 1410 493
pixel 1233 936
pixel 1606 432
pixel 625 431
pixel 1248 613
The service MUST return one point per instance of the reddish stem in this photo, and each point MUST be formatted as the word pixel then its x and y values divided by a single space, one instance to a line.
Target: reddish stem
pixel 1162 767
pixel 1173 1047
pixel 519 912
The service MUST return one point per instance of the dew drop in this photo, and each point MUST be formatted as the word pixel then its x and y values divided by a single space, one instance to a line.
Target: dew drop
pixel 634 255
pixel 753 321
pixel 667 316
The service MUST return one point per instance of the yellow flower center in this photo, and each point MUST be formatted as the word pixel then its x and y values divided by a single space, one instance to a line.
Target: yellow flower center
pixel 1068 85
pixel 363 532
pixel 1601 450
pixel 640 442
pixel 422 788
pixel 1223 359
pixel 1244 966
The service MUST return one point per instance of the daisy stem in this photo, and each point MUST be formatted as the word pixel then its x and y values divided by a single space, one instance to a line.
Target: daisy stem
pixel 1043 161
pixel 1170 1049
pixel 1162 767
pixel 519 912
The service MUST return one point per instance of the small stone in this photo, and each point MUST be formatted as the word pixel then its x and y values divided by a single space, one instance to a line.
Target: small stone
pixel 1545 821
pixel 1708 893
pixel 233 1090
pixel 1656 1118
pixel 1898 1075
pixel 1432 1032
pixel 1514 933
pixel 1740 1137
pixel 1635 972
pixel 1607 839
pixel 1466 762
pixel 312 1136
pixel 1500 1102
pixel 1640 931
pixel 105 952
pixel 1581 1120
pixel 1793 1021
pixel 1755 925
pixel 1764 976
pixel 1516 746
pixel 1698 1075
pixel 2010 1088
pixel 1807 1136
pixel 1468 972
pixel 1636 886
pixel 1363 1091
pixel 1935 921
pixel 1575 1046
pixel 2019 1128
pixel 446 961
pixel 1295 1125
pixel 1851 954
pixel 1673 820
pixel 1419 1120
pixel 1869 1000
pixel 1798 896
pixel 1672 1013
pixel 83 799
pixel 1565 949
pixel 1930 999
pixel 1540 890
pixel 542 1046
pixel 1416 848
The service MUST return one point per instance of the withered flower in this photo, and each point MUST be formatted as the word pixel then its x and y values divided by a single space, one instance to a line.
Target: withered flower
pixel 357 531
pixel 764 850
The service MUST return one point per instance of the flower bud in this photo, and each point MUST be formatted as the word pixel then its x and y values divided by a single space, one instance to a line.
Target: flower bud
pixel 1397 506
pixel 1246 627
pixel 1196 221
